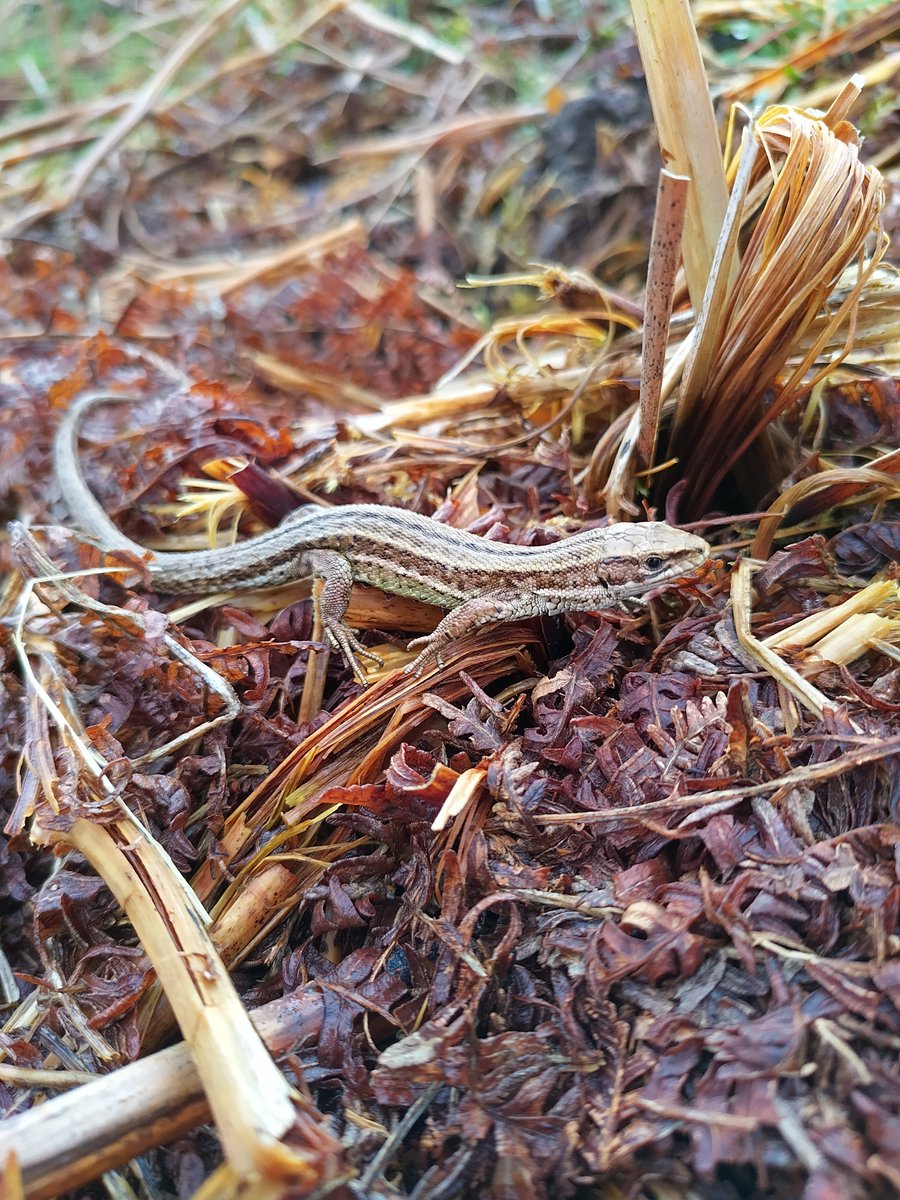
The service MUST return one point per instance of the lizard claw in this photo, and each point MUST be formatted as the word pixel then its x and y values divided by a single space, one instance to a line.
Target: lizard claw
pixel 429 651
pixel 344 639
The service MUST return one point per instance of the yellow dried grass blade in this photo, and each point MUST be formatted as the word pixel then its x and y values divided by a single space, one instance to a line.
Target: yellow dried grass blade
pixel 814 630
pixel 808 695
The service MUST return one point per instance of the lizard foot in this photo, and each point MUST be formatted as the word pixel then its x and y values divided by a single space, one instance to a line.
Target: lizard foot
pixel 344 639
pixel 430 650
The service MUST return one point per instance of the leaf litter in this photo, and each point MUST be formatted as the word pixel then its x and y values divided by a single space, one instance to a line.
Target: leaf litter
pixel 608 905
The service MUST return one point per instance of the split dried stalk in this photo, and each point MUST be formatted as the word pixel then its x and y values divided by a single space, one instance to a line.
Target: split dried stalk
pixel 249 1097
pixel 808 695
pixel 845 631
pixel 71 1139
pixel 823 212
pixel 707 333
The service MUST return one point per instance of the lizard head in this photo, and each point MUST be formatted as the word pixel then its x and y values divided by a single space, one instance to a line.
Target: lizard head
pixel 638 557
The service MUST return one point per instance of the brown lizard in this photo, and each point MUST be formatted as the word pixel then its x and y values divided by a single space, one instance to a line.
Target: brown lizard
pixel 479 581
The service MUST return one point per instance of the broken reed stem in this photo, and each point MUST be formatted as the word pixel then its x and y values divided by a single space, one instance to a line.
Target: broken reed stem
pixel 73 1138
pixel 841 633
pixel 742 610
pixel 658 377
pixel 250 1099
pixel 665 255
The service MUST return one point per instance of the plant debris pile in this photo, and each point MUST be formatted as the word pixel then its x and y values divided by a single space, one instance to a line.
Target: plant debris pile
pixel 603 901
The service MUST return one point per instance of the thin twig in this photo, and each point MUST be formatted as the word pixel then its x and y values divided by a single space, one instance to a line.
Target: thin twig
pixel 362 1186
pixel 41 570
pixel 697 802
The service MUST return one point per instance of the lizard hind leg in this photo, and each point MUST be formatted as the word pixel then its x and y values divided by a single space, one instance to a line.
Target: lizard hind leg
pixel 483 610
pixel 331 604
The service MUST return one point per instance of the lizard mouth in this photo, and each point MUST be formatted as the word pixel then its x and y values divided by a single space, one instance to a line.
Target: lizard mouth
pixel 675 573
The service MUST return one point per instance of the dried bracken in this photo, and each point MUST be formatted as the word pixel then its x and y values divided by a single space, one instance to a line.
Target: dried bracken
pixel 606 904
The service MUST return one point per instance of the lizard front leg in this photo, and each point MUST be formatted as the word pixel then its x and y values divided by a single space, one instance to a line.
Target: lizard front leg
pixel 483 610
pixel 337 582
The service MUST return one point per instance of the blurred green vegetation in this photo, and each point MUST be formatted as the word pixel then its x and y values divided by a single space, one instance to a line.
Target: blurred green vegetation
pixel 61 51
pixel 75 50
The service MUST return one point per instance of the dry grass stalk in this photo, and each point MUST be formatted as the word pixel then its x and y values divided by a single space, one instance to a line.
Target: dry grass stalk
pixel 134 113
pixel 707 333
pixel 873 26
pixel 877 319
pixel 875 483
pixel 71 1139
pixel 879 70
pixel 859 634
pixel 698 807
pixel 35 124
pixel 286 258
pixel 459 130
pixel 535 361
pixel 351 747
pixel 250 1099
pixel 326 385
pixel 422 39
pixel 279 37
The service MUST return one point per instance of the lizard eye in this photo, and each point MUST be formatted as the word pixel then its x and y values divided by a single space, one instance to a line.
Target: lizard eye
pixel 654 563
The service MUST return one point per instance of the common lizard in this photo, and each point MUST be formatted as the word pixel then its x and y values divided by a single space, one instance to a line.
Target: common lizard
pixel 406 554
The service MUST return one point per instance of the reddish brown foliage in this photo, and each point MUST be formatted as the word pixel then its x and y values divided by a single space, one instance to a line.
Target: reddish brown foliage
pixel 638 954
